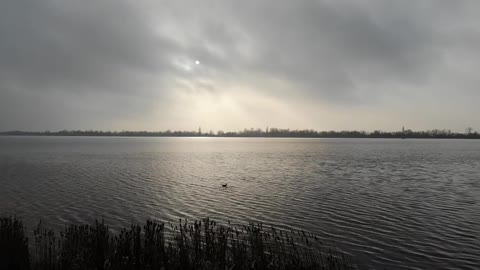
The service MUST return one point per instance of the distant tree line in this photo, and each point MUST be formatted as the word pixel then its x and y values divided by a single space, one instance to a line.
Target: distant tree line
pixel 272 132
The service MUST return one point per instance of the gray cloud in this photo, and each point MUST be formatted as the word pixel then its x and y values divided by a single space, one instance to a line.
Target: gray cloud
pixel 130 65
pixel 331 48
pixel 88 44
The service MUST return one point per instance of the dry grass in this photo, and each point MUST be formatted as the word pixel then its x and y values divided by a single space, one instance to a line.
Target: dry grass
pixel 198 245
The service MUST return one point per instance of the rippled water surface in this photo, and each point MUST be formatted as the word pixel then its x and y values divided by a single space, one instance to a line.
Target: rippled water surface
pixel 390 203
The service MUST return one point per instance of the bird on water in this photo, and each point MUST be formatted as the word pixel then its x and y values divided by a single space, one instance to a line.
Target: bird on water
pixel 224 185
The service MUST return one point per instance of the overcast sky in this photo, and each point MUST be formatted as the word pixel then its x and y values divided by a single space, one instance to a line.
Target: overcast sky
pixel 157 65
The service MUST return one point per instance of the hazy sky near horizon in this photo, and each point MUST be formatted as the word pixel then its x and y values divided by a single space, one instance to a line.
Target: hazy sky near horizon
pixel 227 64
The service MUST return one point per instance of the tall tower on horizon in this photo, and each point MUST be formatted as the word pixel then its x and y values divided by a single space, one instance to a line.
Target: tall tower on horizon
pixel 199 130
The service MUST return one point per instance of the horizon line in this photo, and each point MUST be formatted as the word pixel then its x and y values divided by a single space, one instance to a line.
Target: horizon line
pixel 265 130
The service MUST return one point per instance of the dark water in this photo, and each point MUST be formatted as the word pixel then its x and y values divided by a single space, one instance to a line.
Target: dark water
pixel 391 203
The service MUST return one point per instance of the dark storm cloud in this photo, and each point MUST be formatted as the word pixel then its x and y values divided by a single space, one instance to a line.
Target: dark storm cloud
pixel 86 44
pixel 335 49
pixel 57 58
pixel 79 64
pixel 330 47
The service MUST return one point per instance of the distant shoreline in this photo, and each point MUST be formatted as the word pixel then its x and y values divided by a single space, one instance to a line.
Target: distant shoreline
pixel 272 133
pixel 253 137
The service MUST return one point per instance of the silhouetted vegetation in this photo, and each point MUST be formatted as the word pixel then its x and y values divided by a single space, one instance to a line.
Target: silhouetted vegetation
pixel 13 245
pixel 272 132
pixel 198 245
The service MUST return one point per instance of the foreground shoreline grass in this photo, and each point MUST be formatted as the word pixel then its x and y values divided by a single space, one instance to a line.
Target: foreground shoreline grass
pixel 153 245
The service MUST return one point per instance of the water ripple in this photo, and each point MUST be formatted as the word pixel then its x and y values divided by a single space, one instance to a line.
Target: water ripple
pixel 402 204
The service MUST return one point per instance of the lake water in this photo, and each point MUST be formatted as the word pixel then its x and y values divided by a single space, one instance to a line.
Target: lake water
pixel 393 204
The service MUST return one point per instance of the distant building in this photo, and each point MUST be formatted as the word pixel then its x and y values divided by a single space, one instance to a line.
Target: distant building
pixel 199 131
